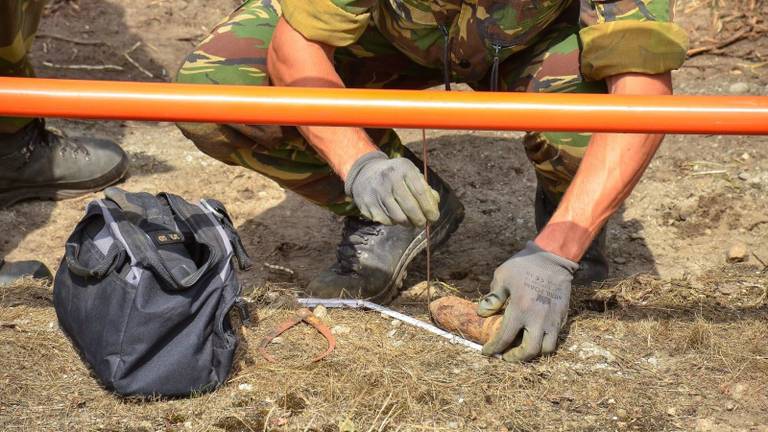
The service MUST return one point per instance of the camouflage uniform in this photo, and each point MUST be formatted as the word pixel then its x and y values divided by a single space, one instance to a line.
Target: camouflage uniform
pixel 18 25
pixel 521 45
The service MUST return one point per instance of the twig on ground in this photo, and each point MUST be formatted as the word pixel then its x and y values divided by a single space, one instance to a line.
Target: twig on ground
pixel 279 268
pixel 84 67
pixel 701 173
pixel 134 62
pixel 765 266
pixel 69 39
pixel 730 41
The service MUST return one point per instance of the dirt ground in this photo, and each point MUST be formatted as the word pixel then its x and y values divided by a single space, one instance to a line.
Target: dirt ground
pixel 678 341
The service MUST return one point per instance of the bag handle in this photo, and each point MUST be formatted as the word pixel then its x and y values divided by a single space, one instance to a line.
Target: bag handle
pixel 129 211
pixel 220 212
pixel 114 255
pixel 145 253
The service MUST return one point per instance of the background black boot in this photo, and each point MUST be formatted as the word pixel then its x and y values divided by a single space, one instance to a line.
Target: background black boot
pixel 13 271
pixel 372 259
pixel 593 266
pixel 36 163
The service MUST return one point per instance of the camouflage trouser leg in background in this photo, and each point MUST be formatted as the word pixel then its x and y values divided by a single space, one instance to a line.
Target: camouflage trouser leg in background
pixel 18 24
pixel 235 53
pixel 552 66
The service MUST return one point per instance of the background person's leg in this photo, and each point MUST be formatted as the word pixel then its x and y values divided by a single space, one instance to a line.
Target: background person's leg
pixel 34 162
pixel 18 24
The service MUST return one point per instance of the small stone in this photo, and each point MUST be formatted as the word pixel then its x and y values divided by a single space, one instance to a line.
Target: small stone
pixel 620 260
pixel 745 156
pixel 622 414
pixel 588 350
pixel 340 329
pixel 347 425
pixel 672 411
pixel 245 387
pixel 396 323
pixel 738 88
pixel 705 425
pixel 453 425
pixel 686 208
pixel 744 176
pixel 730 405
pixel 320 312
pixel 738 390
pixel 737 253
pixel 391 333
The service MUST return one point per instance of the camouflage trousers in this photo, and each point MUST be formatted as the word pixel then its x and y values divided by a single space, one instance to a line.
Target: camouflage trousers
pixel 236 53
pixel 18 25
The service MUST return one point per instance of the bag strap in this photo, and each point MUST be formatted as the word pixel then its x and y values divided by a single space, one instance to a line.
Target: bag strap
pixel 217 210
pixel 141 248
pixel 113 256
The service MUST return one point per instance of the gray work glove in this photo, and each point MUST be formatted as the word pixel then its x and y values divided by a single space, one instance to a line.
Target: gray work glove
pixel 536 285
pixel 391 191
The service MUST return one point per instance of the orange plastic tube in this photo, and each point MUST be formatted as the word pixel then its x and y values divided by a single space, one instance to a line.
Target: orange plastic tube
pixel 31 97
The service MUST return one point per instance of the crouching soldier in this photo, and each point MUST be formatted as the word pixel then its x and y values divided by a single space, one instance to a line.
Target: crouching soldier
pixel 368 176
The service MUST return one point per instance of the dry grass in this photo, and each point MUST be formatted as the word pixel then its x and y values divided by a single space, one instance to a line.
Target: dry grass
pixel 683 351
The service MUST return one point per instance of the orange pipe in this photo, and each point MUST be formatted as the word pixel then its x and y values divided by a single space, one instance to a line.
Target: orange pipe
pixel 103 100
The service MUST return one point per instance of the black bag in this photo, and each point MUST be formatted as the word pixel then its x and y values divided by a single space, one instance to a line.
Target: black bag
pixel 145 289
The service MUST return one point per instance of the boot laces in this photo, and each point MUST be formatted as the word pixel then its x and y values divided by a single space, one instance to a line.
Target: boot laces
pixel 356 232
pixel 40 138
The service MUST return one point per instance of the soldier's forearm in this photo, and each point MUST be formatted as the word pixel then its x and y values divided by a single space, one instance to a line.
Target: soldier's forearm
pixel 609 171
pixel 292 60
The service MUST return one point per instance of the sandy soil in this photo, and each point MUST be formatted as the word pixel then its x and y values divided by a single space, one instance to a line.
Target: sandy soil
pixel 680 346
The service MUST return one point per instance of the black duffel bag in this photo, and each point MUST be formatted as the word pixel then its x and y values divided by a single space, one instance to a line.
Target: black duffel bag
pixel 145 290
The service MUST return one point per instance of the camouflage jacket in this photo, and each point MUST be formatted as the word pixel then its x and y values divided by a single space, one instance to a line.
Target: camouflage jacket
pixel 617 36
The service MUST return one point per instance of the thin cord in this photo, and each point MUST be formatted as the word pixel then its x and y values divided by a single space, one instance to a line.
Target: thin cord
pixel 425 159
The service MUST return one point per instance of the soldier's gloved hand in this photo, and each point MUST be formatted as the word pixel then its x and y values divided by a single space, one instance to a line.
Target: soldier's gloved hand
pixel 537 285
pixel 391 191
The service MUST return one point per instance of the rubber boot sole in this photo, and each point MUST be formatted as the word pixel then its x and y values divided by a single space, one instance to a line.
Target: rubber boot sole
pixel 64 191
pixel 440 232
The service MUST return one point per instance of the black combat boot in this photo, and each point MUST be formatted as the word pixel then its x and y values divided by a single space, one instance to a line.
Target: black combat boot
pixel 372 258
pixel 36 163
pixel 12 271
pixel 593 266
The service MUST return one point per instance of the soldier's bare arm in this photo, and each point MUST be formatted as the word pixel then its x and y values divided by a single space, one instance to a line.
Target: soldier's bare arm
pixel 295 61
pixel 612 166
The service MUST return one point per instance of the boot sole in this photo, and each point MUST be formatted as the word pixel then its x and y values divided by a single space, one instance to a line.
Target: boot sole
pixel 440 232
pixel 64 191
